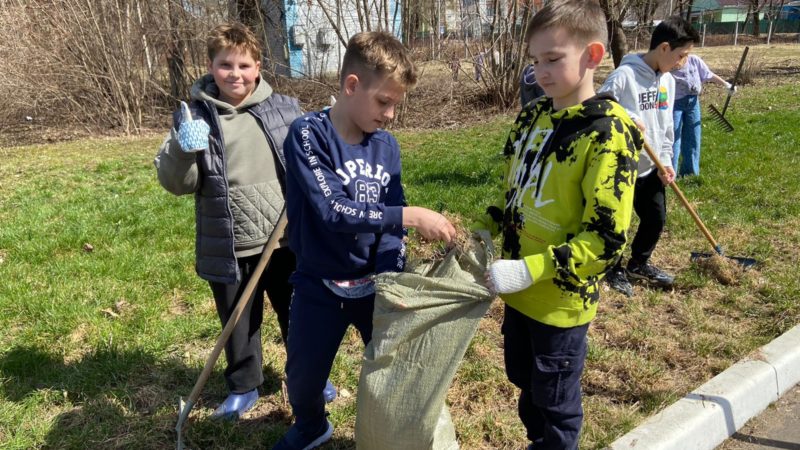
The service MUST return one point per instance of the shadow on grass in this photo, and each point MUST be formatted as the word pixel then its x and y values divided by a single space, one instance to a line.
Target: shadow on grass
pixel 122 398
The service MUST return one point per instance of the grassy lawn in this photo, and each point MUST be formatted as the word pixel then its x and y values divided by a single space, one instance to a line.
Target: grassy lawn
pixel 100 340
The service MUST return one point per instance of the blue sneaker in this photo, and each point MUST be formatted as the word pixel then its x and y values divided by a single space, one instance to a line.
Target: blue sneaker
pixel 235 405
pixel 294 439
pixel 329 392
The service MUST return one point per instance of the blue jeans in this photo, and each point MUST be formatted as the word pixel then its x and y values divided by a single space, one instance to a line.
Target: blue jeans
pixel 686 147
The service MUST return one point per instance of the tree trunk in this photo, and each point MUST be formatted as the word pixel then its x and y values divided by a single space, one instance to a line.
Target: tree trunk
pixel 618 44
pixel 176 65
pixel 248 12
pixel 756 20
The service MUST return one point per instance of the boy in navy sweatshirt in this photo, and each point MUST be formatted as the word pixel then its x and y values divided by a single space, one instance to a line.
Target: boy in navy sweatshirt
pixel 347 214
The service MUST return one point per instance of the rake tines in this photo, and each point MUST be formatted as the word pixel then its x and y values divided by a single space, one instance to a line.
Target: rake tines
pixel 719 118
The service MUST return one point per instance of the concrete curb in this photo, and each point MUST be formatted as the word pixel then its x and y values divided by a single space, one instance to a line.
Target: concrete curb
pixel 704 418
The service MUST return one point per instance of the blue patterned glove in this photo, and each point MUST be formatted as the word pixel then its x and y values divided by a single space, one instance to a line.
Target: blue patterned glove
pixel 192 134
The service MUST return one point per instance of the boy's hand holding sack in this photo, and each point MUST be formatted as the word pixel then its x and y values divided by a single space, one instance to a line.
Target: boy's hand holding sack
pixel 192 134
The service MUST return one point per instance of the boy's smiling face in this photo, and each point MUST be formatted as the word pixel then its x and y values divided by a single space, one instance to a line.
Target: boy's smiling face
pixel 564 68
pixel 236 73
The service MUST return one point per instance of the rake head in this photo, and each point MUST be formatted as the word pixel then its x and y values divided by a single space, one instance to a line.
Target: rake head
pixel 719 119
pixel 746 263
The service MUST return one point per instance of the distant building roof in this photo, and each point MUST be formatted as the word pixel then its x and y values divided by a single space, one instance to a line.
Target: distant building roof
pixel 706 5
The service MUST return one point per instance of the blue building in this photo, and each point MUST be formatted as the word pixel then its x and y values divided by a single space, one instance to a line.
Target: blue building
pixel 302 38
pixel 791 11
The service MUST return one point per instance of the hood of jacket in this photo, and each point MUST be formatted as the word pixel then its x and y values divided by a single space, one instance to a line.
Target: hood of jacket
pixel 205 89
pixel 648 97
pixel 640 68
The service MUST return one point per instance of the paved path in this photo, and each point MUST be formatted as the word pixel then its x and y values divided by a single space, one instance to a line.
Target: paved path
pixel 778 427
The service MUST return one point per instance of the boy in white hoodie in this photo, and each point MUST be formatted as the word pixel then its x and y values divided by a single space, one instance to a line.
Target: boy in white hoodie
pixel 644 86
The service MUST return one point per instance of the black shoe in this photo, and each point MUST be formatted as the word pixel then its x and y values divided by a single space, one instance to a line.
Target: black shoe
pixel 650 274
pixel 618 281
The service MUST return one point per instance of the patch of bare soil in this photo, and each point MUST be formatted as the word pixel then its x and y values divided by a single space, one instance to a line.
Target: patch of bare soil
pixel 437 102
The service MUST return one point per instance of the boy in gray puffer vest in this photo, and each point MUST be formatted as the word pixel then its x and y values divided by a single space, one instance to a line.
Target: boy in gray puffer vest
pixel 226 147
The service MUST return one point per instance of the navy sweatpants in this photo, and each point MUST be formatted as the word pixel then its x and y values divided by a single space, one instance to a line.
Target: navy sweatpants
pixel 318 320
pixel 546 363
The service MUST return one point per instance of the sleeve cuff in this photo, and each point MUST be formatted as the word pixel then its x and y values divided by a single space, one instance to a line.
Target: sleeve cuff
pixel 393 217
pixel 540 266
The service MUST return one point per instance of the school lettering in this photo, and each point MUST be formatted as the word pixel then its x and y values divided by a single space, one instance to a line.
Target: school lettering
pixel 323 184
pixel 313 162
pixel 358 168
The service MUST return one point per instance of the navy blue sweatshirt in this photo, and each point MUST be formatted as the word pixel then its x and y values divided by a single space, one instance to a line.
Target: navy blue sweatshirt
pixel 344 202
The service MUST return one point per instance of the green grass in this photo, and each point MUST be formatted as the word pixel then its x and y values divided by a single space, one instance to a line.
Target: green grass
pixel 98 345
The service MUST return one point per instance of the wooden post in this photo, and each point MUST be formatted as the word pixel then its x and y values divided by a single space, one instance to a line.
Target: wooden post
pixel 769 33
pixel 736 34
pixel 704 36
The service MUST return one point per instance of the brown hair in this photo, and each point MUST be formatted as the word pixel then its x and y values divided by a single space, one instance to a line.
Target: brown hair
pixel 583 19
pixel 232 35
pixel 377 53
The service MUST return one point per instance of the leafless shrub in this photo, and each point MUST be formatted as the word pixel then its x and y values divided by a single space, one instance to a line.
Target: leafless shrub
pixel 752 68
pixel 100 63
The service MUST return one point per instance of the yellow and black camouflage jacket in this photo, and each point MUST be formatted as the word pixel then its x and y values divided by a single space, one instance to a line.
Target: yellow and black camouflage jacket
pixel 567 207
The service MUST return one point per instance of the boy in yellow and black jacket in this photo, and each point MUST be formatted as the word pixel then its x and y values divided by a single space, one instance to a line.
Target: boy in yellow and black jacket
pixel 571 168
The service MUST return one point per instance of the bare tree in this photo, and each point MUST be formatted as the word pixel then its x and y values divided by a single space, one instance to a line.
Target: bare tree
pixel 100 63
pixel 615 11
pixel 178 82
pixel 754 8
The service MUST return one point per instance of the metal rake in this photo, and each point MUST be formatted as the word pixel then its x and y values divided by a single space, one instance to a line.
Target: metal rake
pixel 716 115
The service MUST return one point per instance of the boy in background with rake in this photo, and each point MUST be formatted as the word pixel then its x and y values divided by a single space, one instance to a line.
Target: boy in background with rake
pixel 644 86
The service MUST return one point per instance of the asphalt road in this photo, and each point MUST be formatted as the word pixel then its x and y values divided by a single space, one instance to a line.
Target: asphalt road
pixel 778 427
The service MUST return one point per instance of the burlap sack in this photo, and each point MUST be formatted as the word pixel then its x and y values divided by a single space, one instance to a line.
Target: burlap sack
pixel 423 323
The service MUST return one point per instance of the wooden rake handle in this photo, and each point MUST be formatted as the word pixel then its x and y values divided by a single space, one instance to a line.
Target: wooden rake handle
pixel 244 300
pixel 683 200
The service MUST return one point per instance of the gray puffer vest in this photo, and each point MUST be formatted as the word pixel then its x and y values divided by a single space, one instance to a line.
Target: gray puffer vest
pixel 214 242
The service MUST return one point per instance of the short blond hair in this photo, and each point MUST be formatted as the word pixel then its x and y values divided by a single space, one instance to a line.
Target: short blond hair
pixel 582 19
pixel 233 36
pixel 376 53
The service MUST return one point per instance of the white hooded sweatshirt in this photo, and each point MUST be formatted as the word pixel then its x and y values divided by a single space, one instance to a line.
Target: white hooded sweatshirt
pixel 648 96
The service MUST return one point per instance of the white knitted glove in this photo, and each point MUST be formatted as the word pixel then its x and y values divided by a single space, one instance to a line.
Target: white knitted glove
pixel 731 88
pixel 508 276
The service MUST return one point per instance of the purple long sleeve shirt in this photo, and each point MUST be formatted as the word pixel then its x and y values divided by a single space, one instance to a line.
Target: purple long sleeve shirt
pixel 689 79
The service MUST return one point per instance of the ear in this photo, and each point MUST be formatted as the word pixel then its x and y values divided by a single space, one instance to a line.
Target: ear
pixel 258 66
pixel 350 84
pixel 596 51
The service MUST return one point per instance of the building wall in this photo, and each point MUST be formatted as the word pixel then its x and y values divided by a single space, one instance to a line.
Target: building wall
pixel 310 43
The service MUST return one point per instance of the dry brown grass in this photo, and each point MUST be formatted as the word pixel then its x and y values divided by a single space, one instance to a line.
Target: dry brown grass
pixel 722 269
pixel 420 250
